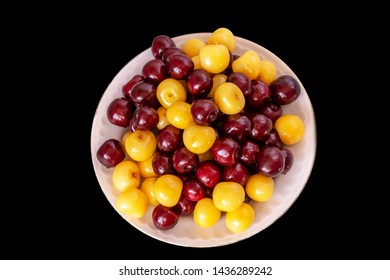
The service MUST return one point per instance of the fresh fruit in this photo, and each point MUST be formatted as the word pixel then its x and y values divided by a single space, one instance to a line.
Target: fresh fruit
pixel 168 189
pixel 110 153
pixel 204 111
pixel 271 110
pixel 223 36
pixel 132 202
pixel 259 95
pixel 237 173
pixel 146 167
pixel 184 207
pixel 192 46
pixel 193 190
pixel 162 117
pixel 290 128
pixel 160 43
pixel 240 219
pixel 120 111
pixel 144 93
pixel 248 63
pixel 225 151
pixel 141 145
pixel 179 66
pixel 237 127
pixel 248 153
pixel 270 161
pixel 214 58
pixel 242 81
pixel 169 139
pixel 285 89
pixel 228 196
pixel 154 71
pixel 164 217
pixel 199 83
pixel 267 71
pixel 273 139
pixel 203 133
pixel 184 161
pixel 162 164
pixel 260 187
pixel 169 91
pixel 179 114
pixel 229 98
pixel 126 88
pixel 288 158
pixel 218 79
pixel 261 127
pixel 147 187
pixel 209 173
pixel 169 52
pixel 145 118
pixel 126 175
pixel 199 138
pixel 206 214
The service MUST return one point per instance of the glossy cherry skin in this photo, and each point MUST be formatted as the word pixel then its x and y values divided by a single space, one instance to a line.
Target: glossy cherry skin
pixel 209 173
pixel 155 71
pixel 145 118
pixel 261 127
pixel 126 88
pixel 169 139
pixel 285 89
pixel 273 139
pixel 162 164
pixel 110 153
pixel 271 110
pixel 184 161
pixel 199 83
pixel 193 189
pixel 225 151
pixel 160 43
pixel 184 207
pixel 249 151
pixel 270 161
pixel 242 81
pixel 237 173
pixel 237 127
pixel 120 112
pixel 179 66
pixel 259 95
pixel 289 160
pixel 144 94
pixel 169 52
pixel 204 111
pixel 164 217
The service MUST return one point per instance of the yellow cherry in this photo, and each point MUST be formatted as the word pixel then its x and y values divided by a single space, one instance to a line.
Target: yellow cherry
pixel 141 145
pixel 170 91
pixel 248 63
pixel 259 187
pixel 199 138
pixel 132 202
pixel 214 58
pixel 126 175
pixel 290 128
pixel 229 98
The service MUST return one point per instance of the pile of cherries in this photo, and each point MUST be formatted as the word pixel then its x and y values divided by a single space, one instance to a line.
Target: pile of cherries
pixel 204 133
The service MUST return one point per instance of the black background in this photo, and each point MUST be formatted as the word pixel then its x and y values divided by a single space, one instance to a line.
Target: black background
pixel 52 206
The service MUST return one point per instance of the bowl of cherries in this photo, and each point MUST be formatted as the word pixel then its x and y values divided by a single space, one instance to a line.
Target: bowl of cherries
pixel 204 139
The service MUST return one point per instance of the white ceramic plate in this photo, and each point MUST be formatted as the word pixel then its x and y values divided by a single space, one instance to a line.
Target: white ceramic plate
pixel 186 233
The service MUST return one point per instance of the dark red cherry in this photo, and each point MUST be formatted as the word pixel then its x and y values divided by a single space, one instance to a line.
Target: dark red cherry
pixel 164 217
pixel 110 153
